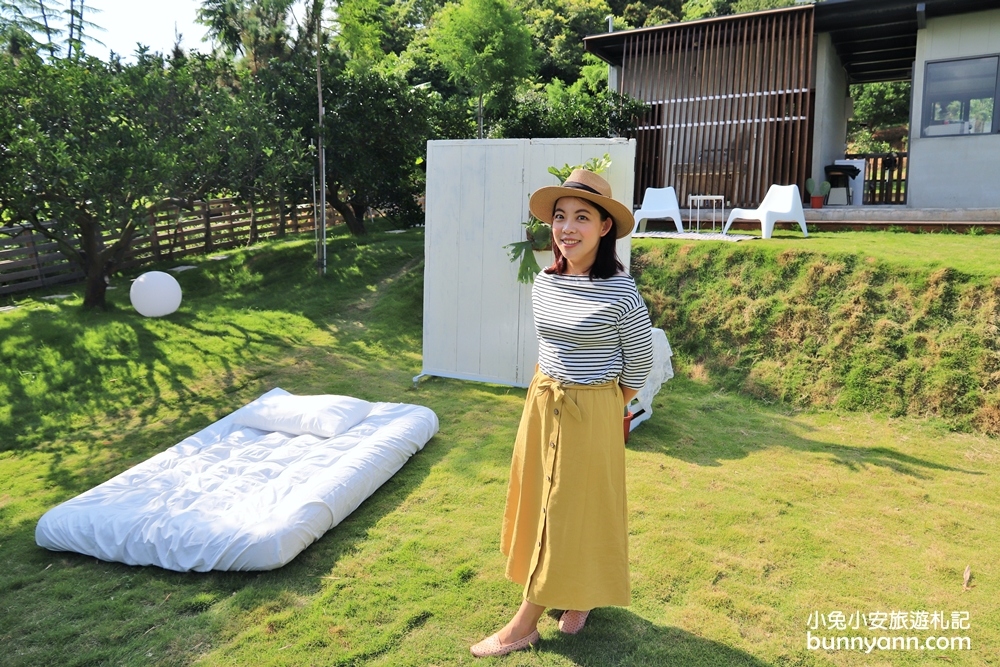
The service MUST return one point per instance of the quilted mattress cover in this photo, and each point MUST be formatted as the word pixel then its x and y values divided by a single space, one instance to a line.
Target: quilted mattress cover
pixel 236 497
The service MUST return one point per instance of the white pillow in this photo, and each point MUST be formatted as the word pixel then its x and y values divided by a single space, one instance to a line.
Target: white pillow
pixel 324 416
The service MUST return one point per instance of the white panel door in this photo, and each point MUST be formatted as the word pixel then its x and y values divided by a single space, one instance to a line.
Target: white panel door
pixel 443 199
pixel 504 209
pixel 467 224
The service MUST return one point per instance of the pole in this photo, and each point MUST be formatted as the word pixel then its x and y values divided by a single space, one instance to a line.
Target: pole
pixel 321 255
pixel 315 211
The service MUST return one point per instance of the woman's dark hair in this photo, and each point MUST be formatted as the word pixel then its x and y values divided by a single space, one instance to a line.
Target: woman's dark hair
pixel 606 264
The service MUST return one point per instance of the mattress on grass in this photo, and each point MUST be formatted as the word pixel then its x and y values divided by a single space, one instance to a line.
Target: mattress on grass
pixel 239 497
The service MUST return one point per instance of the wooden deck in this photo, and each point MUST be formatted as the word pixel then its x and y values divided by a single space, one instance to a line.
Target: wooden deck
pixel 863 218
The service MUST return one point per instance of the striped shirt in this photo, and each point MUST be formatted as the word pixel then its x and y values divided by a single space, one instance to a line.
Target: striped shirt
pixel 591 332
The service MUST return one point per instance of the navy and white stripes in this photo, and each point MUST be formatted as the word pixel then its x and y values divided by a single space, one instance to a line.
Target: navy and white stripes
pixel 591 332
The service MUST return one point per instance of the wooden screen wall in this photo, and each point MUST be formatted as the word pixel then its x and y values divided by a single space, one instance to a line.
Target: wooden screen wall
pixel 730 104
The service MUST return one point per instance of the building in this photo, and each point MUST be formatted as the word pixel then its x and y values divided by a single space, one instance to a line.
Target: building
pixel 740 102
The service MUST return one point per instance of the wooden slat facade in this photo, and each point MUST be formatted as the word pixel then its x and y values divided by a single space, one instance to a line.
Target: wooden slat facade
pixel 730 104
pixel 29 260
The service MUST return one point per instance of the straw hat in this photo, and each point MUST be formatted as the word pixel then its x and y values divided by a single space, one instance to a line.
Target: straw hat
pixel 586 185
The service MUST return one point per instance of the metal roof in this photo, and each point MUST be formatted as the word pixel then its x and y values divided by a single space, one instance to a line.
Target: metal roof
pixel 875 39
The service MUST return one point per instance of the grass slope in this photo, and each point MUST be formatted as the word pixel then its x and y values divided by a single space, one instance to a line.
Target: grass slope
pixel 840 327
pixel 745 517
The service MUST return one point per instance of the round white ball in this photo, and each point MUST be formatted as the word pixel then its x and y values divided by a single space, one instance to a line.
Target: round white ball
pixel 155 294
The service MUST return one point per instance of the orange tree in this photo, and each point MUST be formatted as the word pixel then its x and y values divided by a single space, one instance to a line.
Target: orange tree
pixel 87 148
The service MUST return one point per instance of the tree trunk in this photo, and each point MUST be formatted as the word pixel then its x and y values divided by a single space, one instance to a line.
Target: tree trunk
pixel 359 211
pixel 281 213
pixel 355 226
pixel 253 221
pixel 95 289
pixel 480 115
pixel 99 261
pixel 206 217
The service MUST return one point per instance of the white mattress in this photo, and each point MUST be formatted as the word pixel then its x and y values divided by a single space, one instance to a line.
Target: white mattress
pixel 231 497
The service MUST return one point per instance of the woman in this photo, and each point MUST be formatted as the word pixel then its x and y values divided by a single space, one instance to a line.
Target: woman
pixel 565 530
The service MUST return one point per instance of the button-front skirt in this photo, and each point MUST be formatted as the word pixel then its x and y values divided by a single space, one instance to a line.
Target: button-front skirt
pixel 565 526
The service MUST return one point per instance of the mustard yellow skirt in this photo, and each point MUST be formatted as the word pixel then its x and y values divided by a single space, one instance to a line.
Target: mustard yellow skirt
pixel 565 526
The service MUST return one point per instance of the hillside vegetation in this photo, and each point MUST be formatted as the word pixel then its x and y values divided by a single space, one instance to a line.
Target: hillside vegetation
pixel 838 329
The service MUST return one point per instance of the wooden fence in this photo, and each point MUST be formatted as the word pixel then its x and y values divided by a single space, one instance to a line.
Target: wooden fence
pixel 885 177
pixel 29 260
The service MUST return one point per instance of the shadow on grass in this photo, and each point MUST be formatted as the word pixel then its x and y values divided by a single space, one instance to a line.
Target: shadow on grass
pixel 162 608
pixel 70 376
pixel 88 378
pixel 697 424
pixel 616 636
pixel 121 602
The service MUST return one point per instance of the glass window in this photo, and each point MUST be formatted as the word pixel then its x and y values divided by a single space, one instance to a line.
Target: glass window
pixel 959 97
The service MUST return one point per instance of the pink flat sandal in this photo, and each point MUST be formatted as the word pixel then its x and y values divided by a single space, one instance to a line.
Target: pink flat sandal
pixel 492 647
pixel 571 622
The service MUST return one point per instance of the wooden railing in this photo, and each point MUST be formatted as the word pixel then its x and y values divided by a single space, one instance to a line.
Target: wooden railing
pixel 28 259
pixel 885 177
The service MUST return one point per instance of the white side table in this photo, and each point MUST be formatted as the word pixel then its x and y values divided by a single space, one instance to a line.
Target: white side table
pixel 716 200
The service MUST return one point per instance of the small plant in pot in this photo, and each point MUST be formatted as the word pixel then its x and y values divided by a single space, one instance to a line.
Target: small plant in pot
pixel 538 243
pixel 539 239
pixel 817 193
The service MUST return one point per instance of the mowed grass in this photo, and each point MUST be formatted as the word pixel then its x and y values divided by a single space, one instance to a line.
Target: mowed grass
pixel 972 254
pixel 746 517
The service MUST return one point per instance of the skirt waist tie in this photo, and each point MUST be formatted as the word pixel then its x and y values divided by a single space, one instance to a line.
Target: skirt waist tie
pixel 559 394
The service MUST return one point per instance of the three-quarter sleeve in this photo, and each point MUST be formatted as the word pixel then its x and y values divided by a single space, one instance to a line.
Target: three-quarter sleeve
pixel 634 329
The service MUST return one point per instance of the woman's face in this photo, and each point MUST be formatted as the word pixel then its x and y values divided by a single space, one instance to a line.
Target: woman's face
pixel 577 229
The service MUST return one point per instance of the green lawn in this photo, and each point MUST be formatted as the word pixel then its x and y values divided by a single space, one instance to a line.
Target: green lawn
pixel 745 517
pixel 971 254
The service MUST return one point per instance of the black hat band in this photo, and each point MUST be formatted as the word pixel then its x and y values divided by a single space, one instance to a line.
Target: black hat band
pixel 581 186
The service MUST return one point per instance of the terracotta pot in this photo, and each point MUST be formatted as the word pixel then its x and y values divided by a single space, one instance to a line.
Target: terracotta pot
pixel 816 201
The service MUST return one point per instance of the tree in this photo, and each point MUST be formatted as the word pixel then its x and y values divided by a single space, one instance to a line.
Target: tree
pixel 701 9
pixel 76 165
pixel 376 130
pixel 88 149
pixel 18 23
pixel 483 44
pixel 743 6
pixel 258 30
pixel 881 116
pixel 22 21
pixel 568 112
pixel 880 105
pixel 639 14
pixel 557 30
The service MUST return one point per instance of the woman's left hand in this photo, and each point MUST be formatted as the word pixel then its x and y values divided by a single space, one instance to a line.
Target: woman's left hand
pixel 627 394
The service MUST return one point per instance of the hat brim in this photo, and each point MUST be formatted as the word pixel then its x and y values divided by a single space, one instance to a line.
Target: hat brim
pixel 543 201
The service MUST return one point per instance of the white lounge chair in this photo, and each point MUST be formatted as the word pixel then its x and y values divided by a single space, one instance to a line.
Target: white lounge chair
pixel 641 406
pixel 658 203
pixel 781 203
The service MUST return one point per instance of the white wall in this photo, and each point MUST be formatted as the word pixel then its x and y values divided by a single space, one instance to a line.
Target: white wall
pixel 477 318
pixel 830 115
pixel 958 171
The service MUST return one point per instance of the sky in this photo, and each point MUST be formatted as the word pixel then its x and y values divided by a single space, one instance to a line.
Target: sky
pixel 151 22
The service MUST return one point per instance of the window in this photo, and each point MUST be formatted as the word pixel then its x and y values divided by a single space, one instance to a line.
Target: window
pixel 960 96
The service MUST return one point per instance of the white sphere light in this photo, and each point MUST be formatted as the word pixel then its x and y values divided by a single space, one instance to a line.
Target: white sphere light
pixel 155 294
